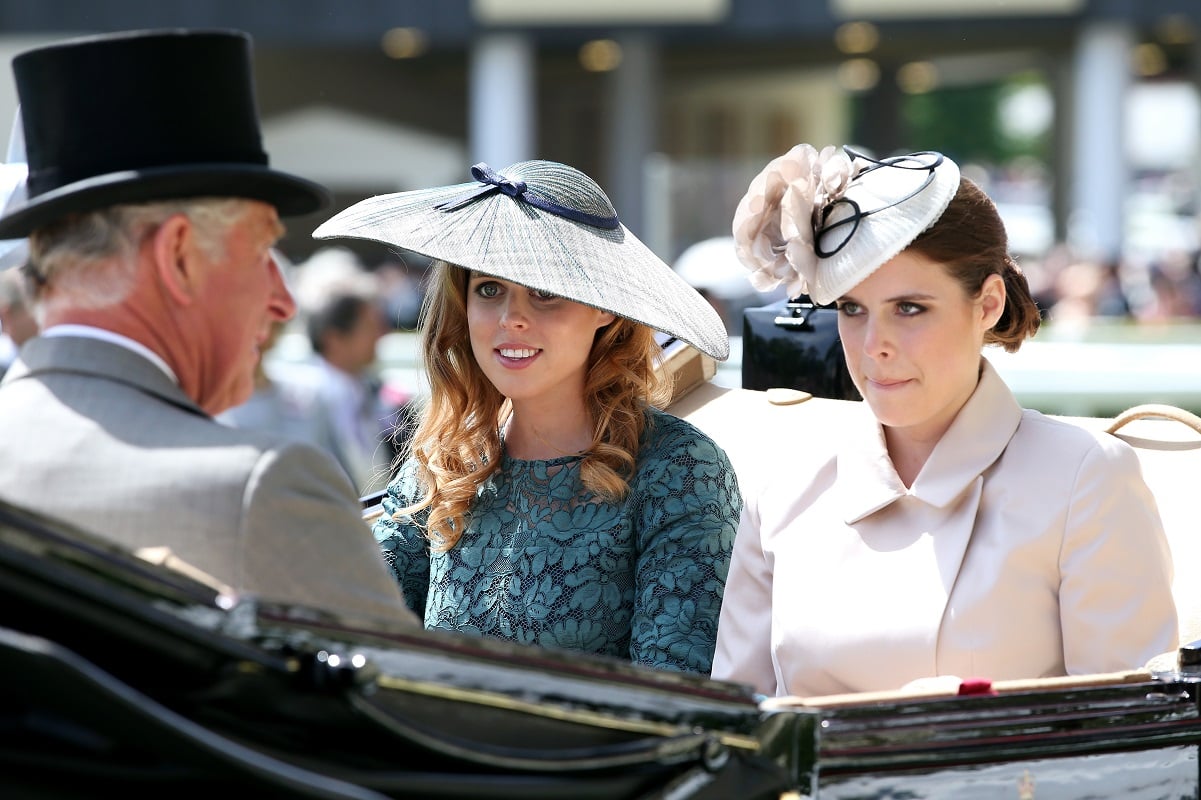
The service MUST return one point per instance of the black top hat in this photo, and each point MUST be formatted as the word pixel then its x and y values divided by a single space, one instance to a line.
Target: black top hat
pixel 142 116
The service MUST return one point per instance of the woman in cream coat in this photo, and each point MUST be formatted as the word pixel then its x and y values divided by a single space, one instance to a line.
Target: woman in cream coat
pixel 953 533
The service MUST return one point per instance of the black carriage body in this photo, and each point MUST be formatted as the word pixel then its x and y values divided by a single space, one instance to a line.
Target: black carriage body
pixel 120 675
pixel 1129 740
pixel 124 676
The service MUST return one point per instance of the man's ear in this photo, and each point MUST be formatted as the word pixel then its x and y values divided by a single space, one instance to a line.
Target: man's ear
pixel 173 247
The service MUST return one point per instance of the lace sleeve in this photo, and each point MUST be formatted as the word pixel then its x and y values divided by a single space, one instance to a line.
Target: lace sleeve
pixel 402 543
pixel 687 515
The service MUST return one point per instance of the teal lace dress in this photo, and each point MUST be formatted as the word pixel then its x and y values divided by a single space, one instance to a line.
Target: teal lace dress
pixel 542 561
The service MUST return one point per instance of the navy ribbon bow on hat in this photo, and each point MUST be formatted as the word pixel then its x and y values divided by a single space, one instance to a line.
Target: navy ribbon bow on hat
pixel 492 181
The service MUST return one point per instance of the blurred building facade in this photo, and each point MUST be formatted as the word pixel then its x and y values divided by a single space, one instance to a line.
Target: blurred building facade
pixel 672 104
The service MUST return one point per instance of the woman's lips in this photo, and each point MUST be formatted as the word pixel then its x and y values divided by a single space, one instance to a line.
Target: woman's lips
pixel 886 384
pixel 517 357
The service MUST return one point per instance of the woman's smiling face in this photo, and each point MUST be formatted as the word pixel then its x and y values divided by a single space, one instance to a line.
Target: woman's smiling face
pixel 912 339
pixel 531 345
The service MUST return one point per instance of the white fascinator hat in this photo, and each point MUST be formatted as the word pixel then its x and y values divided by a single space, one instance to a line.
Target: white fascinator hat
pixel 822 222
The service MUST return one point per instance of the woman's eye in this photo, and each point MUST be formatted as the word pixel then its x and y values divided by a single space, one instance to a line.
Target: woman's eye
pixel 545 295
pixel 487 289
pixel 848 308
pixel 910 309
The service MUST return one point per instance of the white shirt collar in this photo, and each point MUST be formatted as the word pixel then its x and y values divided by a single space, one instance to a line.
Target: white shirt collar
pixel 91 332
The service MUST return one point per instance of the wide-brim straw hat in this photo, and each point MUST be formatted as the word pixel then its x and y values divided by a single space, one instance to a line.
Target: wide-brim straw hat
pixel 887 205
pixel 546 226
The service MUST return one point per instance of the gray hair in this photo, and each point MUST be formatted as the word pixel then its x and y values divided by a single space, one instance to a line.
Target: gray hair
pixel 88 260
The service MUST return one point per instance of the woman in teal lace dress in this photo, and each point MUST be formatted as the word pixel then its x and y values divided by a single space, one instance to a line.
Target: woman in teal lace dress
pixel 545 497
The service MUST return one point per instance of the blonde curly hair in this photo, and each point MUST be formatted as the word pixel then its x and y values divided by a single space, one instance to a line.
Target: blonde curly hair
pixel 457 444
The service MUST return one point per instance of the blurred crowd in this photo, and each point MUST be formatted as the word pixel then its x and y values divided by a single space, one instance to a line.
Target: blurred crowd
pixel 1072 289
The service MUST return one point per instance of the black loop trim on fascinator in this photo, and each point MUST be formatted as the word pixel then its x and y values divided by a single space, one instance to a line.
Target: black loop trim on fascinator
pixel 492 181
pixel 842 230
pixel 879 213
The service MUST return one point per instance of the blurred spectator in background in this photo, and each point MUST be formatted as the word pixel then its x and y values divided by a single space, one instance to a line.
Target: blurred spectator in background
pixel 17 324
pixel 1166 301
pixel 711 267
pixel 1076 288
pixel 1087 288
pixel 354 416
pixel 400 289
pixel 1173 290
pixel 1192 284
pixel 1111 300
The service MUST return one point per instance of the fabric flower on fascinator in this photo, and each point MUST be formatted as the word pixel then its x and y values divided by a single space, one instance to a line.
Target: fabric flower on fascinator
pixel 775 220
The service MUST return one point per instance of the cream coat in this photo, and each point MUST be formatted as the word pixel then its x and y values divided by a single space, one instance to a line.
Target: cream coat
pixel 1026 547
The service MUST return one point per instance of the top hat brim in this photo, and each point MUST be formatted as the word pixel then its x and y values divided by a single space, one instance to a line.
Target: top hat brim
pixel 291 195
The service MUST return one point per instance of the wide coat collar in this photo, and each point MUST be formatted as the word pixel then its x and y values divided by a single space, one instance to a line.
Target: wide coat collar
pixel 97 359
pixel 867 481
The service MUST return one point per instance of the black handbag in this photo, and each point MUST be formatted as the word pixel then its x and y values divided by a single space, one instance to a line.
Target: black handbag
pixel 794 344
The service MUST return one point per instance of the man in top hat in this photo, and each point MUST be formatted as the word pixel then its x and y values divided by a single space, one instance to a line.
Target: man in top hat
pixel 151 215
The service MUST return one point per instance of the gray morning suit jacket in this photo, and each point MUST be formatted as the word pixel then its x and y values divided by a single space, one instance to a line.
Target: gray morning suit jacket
pixel 94 434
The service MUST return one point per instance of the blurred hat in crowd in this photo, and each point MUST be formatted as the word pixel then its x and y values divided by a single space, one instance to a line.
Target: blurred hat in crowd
pixel 332 272
pixel 141 116
pixel 13 173
pixel 823 222
pixel 547 226
pixel 712 266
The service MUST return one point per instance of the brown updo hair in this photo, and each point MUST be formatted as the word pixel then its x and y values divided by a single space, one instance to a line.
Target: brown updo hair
pixel 969 241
